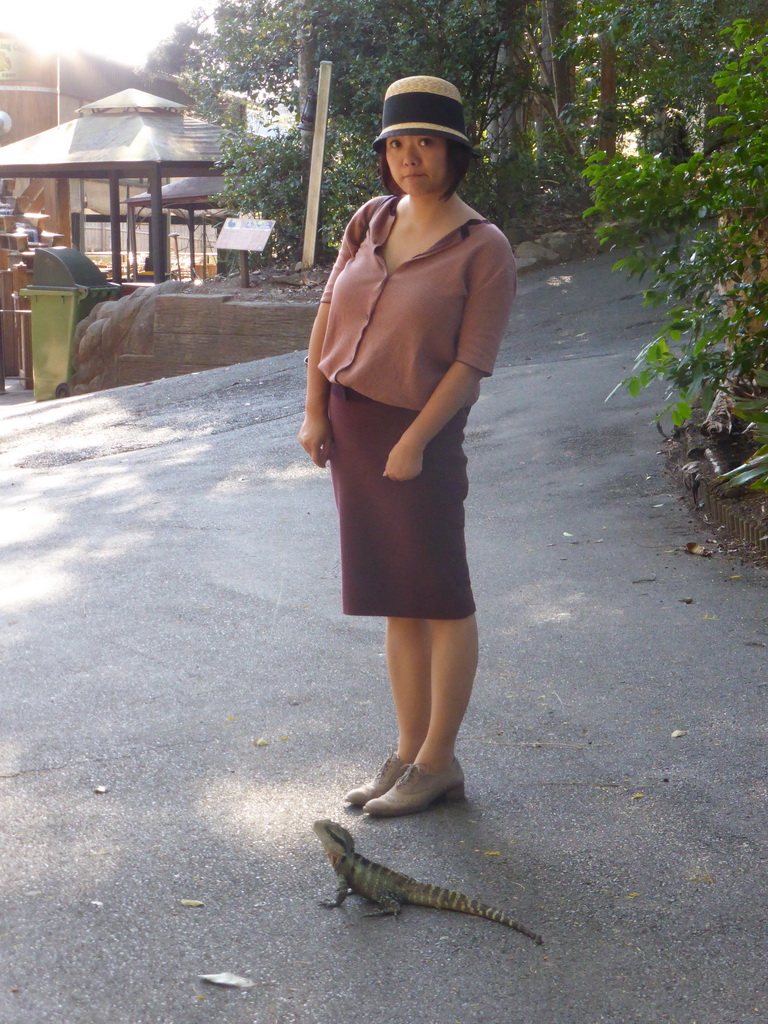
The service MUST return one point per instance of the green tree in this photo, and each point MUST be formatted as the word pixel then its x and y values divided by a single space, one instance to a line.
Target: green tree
pixel 262 51
pixel 710 214
pixel 646 69
pixel 180 53
pixel 544 82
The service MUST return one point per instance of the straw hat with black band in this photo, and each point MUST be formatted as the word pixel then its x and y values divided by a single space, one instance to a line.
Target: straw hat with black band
pixel 422 105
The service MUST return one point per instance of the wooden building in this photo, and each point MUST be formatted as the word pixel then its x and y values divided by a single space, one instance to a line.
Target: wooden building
pixel 40 91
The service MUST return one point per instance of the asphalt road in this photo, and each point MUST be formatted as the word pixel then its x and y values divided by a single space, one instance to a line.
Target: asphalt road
pixel 171 635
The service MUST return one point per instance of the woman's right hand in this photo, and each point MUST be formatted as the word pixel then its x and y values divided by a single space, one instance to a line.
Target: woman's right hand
pixel 316 438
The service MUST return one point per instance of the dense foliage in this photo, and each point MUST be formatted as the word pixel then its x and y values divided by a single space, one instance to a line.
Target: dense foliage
pixel 267 52
pixel 664 55
pixel 711 214
pixel 544 82
pixel 754 411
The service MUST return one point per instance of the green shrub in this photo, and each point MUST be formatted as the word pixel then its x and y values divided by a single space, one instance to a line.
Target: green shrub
pixel 699 229
pixel 263 179
pixel 755 411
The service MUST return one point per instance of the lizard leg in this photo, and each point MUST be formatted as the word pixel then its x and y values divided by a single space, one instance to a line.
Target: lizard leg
pixel 385 906
pixel 341 895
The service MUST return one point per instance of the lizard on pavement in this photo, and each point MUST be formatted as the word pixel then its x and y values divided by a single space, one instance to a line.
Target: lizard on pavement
pixel 389 889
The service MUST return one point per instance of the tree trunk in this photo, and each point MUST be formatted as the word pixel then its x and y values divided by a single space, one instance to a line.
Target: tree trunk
pixel 548 37
pixel 501 125
pixel 607 139
pixel 306 41
pixel 510 100
pixel 557 73
pixel 558 13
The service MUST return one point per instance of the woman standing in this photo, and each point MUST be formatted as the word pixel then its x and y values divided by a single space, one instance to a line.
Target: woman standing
pixel 410 321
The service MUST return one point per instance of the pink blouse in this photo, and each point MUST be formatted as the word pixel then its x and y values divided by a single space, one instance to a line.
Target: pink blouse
pixel 392 337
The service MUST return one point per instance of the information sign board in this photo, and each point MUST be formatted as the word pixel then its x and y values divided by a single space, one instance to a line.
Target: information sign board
pixel 244 233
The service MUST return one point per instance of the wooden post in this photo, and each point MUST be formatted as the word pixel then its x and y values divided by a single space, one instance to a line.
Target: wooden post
pixel 245 277
pixel 316 170
pixel 132 255
pixel 158 240
pixel 191 230
pixel 7 318
pixel 114 227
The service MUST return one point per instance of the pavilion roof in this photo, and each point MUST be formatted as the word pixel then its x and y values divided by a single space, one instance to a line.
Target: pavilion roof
pixel 129 132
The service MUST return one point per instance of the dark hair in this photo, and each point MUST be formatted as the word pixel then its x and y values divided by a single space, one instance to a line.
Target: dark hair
pixel 458 158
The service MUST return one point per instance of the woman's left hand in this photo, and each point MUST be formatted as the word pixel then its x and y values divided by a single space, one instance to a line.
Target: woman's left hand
pixel 405 461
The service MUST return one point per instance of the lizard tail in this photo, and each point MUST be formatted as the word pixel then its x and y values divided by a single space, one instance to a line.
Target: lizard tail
pixel 449 899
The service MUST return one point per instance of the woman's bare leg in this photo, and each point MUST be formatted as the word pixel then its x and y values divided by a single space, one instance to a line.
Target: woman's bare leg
pixel 432 667
pixel 453 669
pixel 409 661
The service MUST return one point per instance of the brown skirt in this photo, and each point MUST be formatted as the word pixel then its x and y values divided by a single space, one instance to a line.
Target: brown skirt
pixel 402 542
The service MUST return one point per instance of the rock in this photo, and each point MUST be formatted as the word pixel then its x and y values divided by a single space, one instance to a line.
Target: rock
pixel 112 329
pixel 564 243
pixel 89 341
pixel 142 329
pixel 516 235
pixel 535 251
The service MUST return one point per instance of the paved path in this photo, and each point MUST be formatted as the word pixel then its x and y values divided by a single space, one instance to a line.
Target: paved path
pixel 170 595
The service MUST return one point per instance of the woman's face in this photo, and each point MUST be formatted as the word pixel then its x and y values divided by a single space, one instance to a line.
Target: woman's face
pixel 418 164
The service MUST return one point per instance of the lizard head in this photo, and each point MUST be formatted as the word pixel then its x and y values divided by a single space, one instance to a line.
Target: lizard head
pixel 337 842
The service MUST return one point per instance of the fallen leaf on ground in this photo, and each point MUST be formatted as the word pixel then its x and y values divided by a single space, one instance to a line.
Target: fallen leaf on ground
pixel 700 876
pixel 678 733
pixel 228 980
pixel 261 743
pixel 191 903
pixel 697 549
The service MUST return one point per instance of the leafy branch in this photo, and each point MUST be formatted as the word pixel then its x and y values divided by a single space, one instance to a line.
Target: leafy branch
pixel 698 229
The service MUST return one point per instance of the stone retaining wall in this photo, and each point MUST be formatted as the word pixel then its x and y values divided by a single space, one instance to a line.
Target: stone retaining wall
pixel 165 332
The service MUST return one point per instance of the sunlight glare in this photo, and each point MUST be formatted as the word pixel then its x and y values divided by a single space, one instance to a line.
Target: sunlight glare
pixel 126 36
pixel 26 523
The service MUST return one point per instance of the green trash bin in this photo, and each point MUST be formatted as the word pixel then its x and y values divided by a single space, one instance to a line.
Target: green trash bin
pixel 65 287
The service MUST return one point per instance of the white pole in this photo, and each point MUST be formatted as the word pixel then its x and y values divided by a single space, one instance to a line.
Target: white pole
pixel 316 165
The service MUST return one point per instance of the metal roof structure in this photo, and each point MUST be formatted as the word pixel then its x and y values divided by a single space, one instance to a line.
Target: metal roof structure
pixel 185 194
pixel 188 194
pixel 129 134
